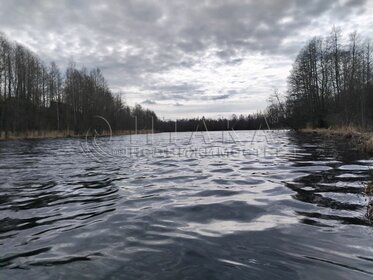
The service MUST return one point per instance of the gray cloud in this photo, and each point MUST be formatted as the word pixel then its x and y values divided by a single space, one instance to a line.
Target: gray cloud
pixel 220 97
pixel 151 50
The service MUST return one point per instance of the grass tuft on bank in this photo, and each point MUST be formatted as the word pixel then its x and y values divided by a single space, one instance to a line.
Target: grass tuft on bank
pixel 53 134
pixel 361 139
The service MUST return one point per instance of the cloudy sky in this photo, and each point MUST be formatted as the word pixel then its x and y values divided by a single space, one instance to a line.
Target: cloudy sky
pixel 183 58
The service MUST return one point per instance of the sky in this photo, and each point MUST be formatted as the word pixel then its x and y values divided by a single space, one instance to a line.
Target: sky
pixel 183 58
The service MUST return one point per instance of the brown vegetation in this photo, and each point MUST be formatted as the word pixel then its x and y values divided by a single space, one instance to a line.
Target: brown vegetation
pixel 362 140
pixel 50 134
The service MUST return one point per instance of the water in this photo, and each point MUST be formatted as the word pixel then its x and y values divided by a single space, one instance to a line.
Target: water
pixel 250 205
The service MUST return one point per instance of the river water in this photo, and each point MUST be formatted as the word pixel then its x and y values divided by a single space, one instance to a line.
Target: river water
pixel 218 205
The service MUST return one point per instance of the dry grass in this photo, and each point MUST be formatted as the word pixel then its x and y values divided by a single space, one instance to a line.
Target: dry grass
pixel 34 134
pixel 363 140
pixel 347 131
pixel 369 191
pixel 369 187
pixel 369 144
pixel 370 210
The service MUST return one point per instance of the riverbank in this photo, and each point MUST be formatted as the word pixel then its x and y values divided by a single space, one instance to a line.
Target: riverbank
pixel 362 140
pixel 53 134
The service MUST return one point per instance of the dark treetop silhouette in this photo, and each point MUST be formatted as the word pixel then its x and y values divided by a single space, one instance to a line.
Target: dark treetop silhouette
pixel 330 84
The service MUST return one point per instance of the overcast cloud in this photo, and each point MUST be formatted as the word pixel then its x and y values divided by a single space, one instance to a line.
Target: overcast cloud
pixel 182 58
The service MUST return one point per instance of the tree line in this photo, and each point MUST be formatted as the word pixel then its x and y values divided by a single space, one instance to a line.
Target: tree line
pixel 330 84
pixel 38 97
pixel 256 121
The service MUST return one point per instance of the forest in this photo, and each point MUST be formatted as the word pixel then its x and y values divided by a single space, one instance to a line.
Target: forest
pixel 330 84
pixel 247 122
pixel 38 97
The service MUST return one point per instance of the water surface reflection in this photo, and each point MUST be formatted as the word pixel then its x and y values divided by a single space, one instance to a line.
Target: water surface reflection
pixel 292 208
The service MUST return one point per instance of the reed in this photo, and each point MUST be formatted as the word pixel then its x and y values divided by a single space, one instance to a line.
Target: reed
pixel 46 134
pixel 361 139
pixel 369 187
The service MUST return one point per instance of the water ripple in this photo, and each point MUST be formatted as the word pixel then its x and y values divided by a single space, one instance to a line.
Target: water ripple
pixel 294 208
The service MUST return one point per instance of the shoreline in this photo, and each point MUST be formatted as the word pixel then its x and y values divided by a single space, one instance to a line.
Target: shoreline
pixel 59 134
pixel 361 139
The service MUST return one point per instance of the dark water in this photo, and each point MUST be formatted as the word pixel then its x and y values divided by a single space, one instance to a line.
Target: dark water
pixel 267 206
